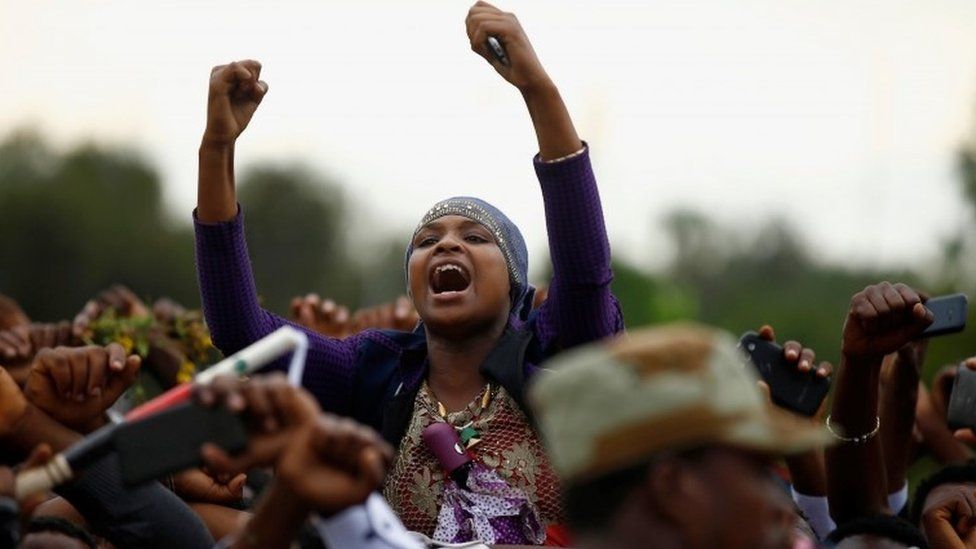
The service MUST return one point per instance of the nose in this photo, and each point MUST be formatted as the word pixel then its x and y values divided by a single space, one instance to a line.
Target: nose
pixel 448 242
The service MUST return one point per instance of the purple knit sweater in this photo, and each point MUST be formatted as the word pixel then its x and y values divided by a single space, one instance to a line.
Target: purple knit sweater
pixel 579 308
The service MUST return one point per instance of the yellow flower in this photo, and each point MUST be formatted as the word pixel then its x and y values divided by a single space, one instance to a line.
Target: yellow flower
pixel 201 343
pixel 186 372
pixel 126 343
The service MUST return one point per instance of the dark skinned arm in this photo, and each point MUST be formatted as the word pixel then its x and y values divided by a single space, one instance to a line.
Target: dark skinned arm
pixel 882 318
pixel 553 126
pixel 235 93
pixel 897 402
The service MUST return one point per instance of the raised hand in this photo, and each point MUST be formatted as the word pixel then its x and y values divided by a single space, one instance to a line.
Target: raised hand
pixel 323 316
pixel 524 71
pixel 166 310
pixel 76 385
pixel 397 315
pixel 883 318
pixel 121 299
pixel 235 93
pixel 273 410
pixel 942 384
pixel 334 463
pixel 802 358
pixel 807 471
pixel 931 410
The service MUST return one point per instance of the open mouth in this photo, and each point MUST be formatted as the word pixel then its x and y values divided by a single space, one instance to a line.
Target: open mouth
pixel 449 277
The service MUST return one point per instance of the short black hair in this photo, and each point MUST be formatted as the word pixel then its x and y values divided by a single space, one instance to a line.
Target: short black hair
pixel 965 472
pixel 886 526
pixel 59 525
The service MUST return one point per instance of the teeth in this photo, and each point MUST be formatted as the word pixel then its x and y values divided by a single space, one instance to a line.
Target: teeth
pixel 443 268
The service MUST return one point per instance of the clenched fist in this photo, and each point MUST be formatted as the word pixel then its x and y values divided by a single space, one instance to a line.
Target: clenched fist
pixel 235 93
pixel 524 71
pixel 882 318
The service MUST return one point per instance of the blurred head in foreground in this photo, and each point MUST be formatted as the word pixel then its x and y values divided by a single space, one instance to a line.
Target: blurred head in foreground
pixel 662 438
pixel 877 532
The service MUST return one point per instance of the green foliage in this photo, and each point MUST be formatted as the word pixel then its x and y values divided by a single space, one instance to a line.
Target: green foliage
pixel 132 333
pixel 647 299
pixel 77 221
pixel 295 225
pixel 722 277
pixel 73 223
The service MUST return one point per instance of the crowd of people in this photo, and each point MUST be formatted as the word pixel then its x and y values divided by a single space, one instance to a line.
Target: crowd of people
pixel 476 410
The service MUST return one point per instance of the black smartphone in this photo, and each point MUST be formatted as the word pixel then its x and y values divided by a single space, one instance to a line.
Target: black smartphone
pixel 962 400
pixel 170 441
pixel 789 388
pixel 950 315
pixel 497 50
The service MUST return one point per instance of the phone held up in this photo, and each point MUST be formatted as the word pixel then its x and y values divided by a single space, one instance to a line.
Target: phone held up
pixel 950 315
pixel 497 51
pixel 789 388
pixel 962 402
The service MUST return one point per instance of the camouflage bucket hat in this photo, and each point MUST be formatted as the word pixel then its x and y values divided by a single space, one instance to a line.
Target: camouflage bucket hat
pixel 612 405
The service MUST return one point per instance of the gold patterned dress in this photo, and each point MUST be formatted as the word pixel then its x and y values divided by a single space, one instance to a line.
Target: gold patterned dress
pixel 509 445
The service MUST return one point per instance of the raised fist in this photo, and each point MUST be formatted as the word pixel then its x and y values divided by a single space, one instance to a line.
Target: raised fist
pixel 882 318
pixel 323 316
pixel 235 93
pixel 524 70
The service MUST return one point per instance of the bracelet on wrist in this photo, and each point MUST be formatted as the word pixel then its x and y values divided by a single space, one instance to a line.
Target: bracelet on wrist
pixel 859 439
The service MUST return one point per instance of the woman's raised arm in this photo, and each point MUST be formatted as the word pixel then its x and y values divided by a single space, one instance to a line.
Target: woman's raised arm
pixel 553 127
pixel 580 307
pixel 235 93
pixel 227 290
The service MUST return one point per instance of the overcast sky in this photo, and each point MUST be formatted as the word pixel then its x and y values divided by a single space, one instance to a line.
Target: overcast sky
pixel 842 116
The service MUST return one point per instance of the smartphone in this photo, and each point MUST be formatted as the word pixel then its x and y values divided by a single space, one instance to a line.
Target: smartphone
pixel 962 400
pixel 497 50
pixel 789 388
pixel 170 441
pixel 950 315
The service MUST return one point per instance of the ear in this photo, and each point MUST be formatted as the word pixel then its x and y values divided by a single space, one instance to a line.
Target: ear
pixel 675 491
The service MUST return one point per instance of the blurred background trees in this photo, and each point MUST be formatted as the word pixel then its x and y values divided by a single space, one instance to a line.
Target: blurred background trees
pixel 72 222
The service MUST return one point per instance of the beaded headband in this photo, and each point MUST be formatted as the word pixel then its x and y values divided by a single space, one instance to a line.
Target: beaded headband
pixel 506 235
